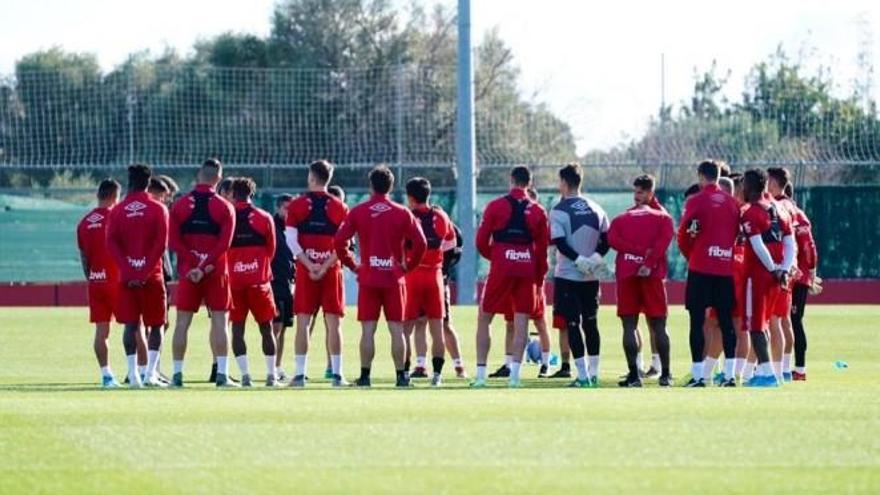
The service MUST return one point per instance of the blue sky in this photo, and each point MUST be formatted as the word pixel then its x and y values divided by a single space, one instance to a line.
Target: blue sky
pixel 597 64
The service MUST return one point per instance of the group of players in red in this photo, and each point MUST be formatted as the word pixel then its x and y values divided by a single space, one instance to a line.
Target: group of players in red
pixel 742 245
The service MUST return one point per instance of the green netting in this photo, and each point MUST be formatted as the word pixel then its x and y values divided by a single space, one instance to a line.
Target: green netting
pixel 37 235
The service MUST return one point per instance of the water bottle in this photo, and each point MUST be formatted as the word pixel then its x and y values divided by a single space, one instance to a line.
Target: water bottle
pixel 841 365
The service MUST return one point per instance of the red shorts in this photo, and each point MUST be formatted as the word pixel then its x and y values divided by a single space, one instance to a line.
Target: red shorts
pixel 213 290
pixel 424 294
pixel 371 301
pixel 761 294
pixel 145 304
pixel 102 301
pixel 540 306
pixel 637 295
pixel 256 299
pixel 327 293
pixel 782 308
pixel 502 292
pixel 559 322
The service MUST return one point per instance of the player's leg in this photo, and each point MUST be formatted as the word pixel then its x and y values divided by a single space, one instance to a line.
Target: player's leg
pixel 408 327
pixel 102 334
pixel 743 347
pixel 178 343
pixel 782 310
pixel 659 335
pixel 270 352
pixel 567 302
pixel 630 350
pixel 656 309
pixel 713 346
pixel 334 347
pixel 564 370
pixel 484 343
pixel 503 371
pixel 450 336
pixel 220 345
pixel 798 307
pixel 656 365
pixel 438 349
pixel 142 354
pixel 131 335
pixel 369 309
pixel 759 296
pixel 695 302
pixel 420 341
pixel 281 322
pixel 525 301
pixel 544 335
pixel 304 324
pixel 239 350
pixel 590 324
pixel 155 339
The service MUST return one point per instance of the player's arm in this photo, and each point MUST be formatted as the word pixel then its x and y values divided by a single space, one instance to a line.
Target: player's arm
pixel 603 246
pixel 160 241
pixel 341 243
pixel 269 229
pixel 558 233
pixel 684 238
pixel 418 243
pixel 126 274
pixel 661 243
pixel 83 256
pixel 619 242
pixel 542 244
pixel 484 232
pixel 453 256
pixel 226 219
pixel 806 244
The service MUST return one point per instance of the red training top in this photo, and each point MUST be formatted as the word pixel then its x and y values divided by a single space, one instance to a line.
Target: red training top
pixel 137 237
pixel 807 257
pixel 711 251
pixel 439 235
pixel 316 216
pixel 762 218
pixel 91 237
pixel 513 249
pixel 641 236
pixel 382 226
pixel 201 230
pixel 253 246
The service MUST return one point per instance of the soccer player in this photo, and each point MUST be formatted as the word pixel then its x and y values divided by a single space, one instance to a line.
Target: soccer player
pixel 641 235
pixel 424 283
pixel 249 259
pixel 804 284
pixel 313 220
pixel 382 226
pixel 770 254
pixel 579 230
pixel 201 231
pixel 283 275
pixel 101 272
pixel 513 236
pixel 137 239
pixel 781 332
pixel 706 237
pixel 450 335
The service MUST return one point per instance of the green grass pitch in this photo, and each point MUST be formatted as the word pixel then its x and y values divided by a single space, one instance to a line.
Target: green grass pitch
pixel 60 434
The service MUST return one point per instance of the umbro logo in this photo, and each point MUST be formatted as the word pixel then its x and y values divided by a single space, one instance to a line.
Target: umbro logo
pixel 134 209
pixel 581 208
pixel 135 206
pixel 94 218
pixel 380 208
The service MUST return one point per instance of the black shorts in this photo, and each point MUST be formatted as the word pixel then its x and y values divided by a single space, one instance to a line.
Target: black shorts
pixel 575 301
pixel 709 291
pixel 283 304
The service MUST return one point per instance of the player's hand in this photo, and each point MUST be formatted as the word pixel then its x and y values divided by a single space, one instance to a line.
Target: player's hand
pixel 195 275
pixel 693 228
pixel 135 284
pixel 644 271
pixel 208 269
pixel 583 264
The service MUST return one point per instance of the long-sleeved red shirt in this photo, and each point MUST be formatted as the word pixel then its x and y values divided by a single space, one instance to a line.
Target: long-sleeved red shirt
pixel 512 259
pixel 382 227
pixel 138 237
pixel 641 236
pixel 91 237
pixel 439 234
pixel 807 256
pixel 758 219
pixel 200 230
pixel 717 212
pixel 253 246
pixel 316 216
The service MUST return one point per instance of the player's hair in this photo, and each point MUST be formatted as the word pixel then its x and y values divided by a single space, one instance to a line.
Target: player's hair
pixel 532 193
pixel 170 183
pixel 724 169
pixel 645 182
pixel 572 174
pixel 693 189
pixel 322 171
pixel 139 177
pixel 211 169
pixel 282 198
pixel 726 184
pixel 521 176
pixel 381 179
pixel 710 169
pixel 780 174
pixel 754 183
pixel 243 188
pixel 337 191
pixel 419 189
pixel 225 185
pixel 788 190
pixel 157 186
pixel 107 189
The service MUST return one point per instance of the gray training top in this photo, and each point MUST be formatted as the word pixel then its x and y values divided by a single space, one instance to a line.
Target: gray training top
pixel 580 220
